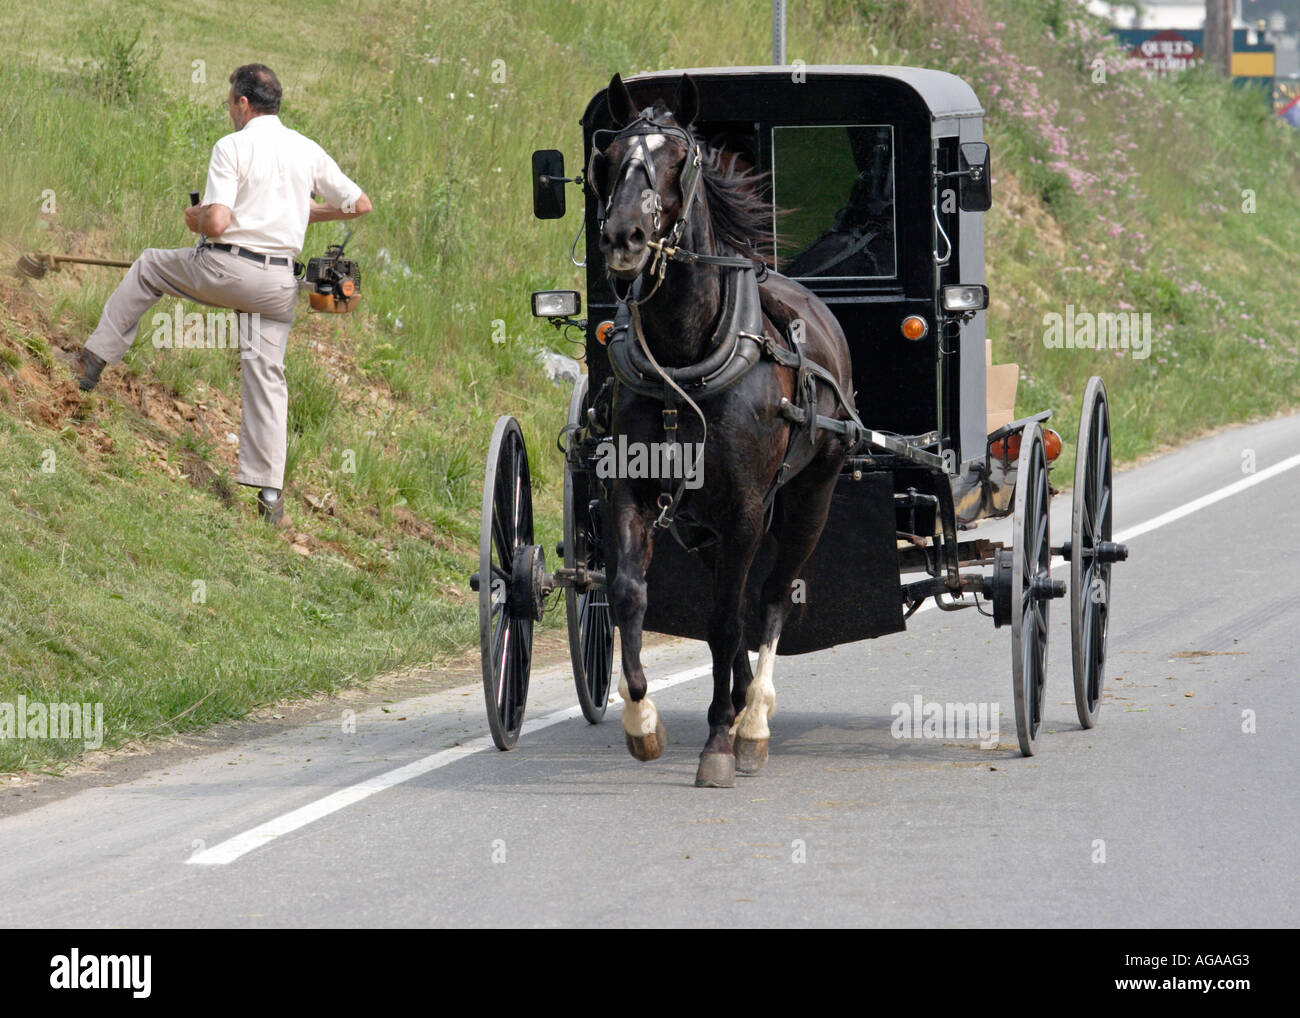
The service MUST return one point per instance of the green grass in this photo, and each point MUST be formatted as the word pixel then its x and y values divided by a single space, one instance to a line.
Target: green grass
pixel 1127 194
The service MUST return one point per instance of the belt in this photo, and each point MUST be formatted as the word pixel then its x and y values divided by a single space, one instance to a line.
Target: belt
pixel 252 256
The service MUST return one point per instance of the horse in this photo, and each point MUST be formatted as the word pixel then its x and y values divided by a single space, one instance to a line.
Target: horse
pixel 677 222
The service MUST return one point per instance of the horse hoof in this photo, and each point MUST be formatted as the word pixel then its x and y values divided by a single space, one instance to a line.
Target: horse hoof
pixel 751 754
pixel 717 770
pixel 647 747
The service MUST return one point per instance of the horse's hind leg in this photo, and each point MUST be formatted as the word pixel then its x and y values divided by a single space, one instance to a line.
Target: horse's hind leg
pixel 805 502
pixel 741 676
pixel 642 729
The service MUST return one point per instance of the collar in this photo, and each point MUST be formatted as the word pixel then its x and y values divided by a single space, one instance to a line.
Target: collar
pixel 271 118
pixel 733 349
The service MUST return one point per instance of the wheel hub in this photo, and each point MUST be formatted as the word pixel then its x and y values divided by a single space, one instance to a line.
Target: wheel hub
pixel 1001 592
pixel 528 582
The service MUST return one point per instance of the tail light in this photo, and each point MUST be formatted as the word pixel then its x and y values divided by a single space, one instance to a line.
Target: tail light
pixel 1009 447
pixel 1051 444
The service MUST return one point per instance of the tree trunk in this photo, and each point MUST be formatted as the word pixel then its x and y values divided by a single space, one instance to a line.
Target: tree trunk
pixel 1218 35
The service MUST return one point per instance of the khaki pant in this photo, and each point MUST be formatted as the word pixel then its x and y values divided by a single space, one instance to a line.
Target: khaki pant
pixel 263 295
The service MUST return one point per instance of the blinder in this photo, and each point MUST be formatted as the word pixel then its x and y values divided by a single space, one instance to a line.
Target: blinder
pixel 641 153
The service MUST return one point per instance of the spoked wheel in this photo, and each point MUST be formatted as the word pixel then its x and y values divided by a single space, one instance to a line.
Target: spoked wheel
pixel 1031 587
pixel 1091 553
pixel 591 621
pixel 508 582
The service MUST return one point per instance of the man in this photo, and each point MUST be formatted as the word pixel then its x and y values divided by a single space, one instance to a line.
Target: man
pixel 258 202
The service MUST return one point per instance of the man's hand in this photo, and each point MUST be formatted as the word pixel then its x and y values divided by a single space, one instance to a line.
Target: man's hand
pixel 209 220
pixel 322 213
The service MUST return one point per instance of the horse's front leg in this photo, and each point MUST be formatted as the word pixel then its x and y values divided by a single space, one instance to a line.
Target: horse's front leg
pixel 642 727
pixel 726 641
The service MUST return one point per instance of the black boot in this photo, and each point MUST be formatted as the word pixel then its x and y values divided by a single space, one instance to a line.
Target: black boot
pixel 85 366
pixel 271 511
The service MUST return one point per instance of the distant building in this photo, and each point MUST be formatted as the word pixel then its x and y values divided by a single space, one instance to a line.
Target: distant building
pixel 1151 14
pixel 1165 38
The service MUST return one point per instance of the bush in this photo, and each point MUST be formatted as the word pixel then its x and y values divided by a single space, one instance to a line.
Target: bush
pixel 123 70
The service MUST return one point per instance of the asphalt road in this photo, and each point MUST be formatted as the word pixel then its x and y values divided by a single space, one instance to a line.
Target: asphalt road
pixel 1197 819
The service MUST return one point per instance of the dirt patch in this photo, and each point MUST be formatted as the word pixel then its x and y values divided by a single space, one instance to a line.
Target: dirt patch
pixel 195 437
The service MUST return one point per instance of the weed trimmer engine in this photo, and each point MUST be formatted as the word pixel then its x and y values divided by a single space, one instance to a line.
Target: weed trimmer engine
pixel 334 281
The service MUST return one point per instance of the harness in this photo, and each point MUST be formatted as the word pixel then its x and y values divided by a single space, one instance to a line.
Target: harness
pixel 736 347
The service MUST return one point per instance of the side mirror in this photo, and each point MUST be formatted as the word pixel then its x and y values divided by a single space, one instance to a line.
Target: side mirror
pixel 548 183
pixel 974 193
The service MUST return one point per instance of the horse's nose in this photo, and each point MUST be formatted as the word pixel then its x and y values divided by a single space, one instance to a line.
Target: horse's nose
pixel 622 238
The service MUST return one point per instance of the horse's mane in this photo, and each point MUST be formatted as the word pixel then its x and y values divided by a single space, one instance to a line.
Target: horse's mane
pixel 739 212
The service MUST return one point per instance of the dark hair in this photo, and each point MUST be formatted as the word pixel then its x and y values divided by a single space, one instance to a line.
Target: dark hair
pixel 259 85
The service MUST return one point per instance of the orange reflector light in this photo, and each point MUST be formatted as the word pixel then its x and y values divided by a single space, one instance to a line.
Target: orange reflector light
pixel 348 287
pixel 1051 444
pixel 914 327
pixel 1007 448
pixel 603 331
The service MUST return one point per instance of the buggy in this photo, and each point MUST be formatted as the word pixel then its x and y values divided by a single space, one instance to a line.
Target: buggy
pixel 886 176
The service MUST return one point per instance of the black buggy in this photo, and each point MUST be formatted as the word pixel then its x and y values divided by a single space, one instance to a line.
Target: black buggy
pixel 887 176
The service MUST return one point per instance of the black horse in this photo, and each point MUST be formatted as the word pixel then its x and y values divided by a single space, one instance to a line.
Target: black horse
pixel 682 232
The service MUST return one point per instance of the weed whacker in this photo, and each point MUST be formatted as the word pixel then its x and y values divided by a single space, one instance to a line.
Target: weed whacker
pixel 35 265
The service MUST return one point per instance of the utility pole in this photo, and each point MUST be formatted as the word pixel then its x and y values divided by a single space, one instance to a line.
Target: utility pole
pixel 1218 35
pixel 778 33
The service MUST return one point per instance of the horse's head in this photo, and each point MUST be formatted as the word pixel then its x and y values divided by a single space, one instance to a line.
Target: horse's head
pixel 645 175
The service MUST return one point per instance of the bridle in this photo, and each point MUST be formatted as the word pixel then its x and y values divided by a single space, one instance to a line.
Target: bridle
pixel 640 153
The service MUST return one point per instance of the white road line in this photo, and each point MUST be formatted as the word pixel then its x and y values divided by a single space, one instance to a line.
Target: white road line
pixel 1208 500
pixel 230 850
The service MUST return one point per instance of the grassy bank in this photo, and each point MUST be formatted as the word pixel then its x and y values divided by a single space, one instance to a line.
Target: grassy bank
pixel 1112 195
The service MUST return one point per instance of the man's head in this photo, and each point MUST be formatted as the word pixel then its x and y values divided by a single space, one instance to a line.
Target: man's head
pixel 254 91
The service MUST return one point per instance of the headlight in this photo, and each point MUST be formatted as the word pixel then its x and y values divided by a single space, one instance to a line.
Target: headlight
pixel 965 297
pixel 556 303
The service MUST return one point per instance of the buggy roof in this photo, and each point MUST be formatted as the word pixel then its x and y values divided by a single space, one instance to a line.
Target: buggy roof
pixel 945 95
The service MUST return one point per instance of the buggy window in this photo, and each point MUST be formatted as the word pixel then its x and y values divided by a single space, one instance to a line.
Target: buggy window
pixel 836 185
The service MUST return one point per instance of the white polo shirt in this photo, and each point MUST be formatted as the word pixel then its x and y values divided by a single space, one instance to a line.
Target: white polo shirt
pixel 266 174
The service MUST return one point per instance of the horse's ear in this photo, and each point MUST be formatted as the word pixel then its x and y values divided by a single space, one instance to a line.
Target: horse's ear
pixel 686 102
pixel 621 106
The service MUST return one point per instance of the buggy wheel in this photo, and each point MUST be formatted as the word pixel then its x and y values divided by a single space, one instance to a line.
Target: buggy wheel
pixel 591 620
pixel 508 567
pixel 1091 553
pixel 1031 587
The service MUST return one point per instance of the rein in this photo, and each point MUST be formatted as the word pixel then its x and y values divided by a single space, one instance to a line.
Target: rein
pixel 666 250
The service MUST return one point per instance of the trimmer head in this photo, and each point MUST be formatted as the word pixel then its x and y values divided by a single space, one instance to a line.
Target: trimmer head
pixel 31 267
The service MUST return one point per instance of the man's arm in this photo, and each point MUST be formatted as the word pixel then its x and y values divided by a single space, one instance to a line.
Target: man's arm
pixel 212 218
pixel 209 220
pixel 322 213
